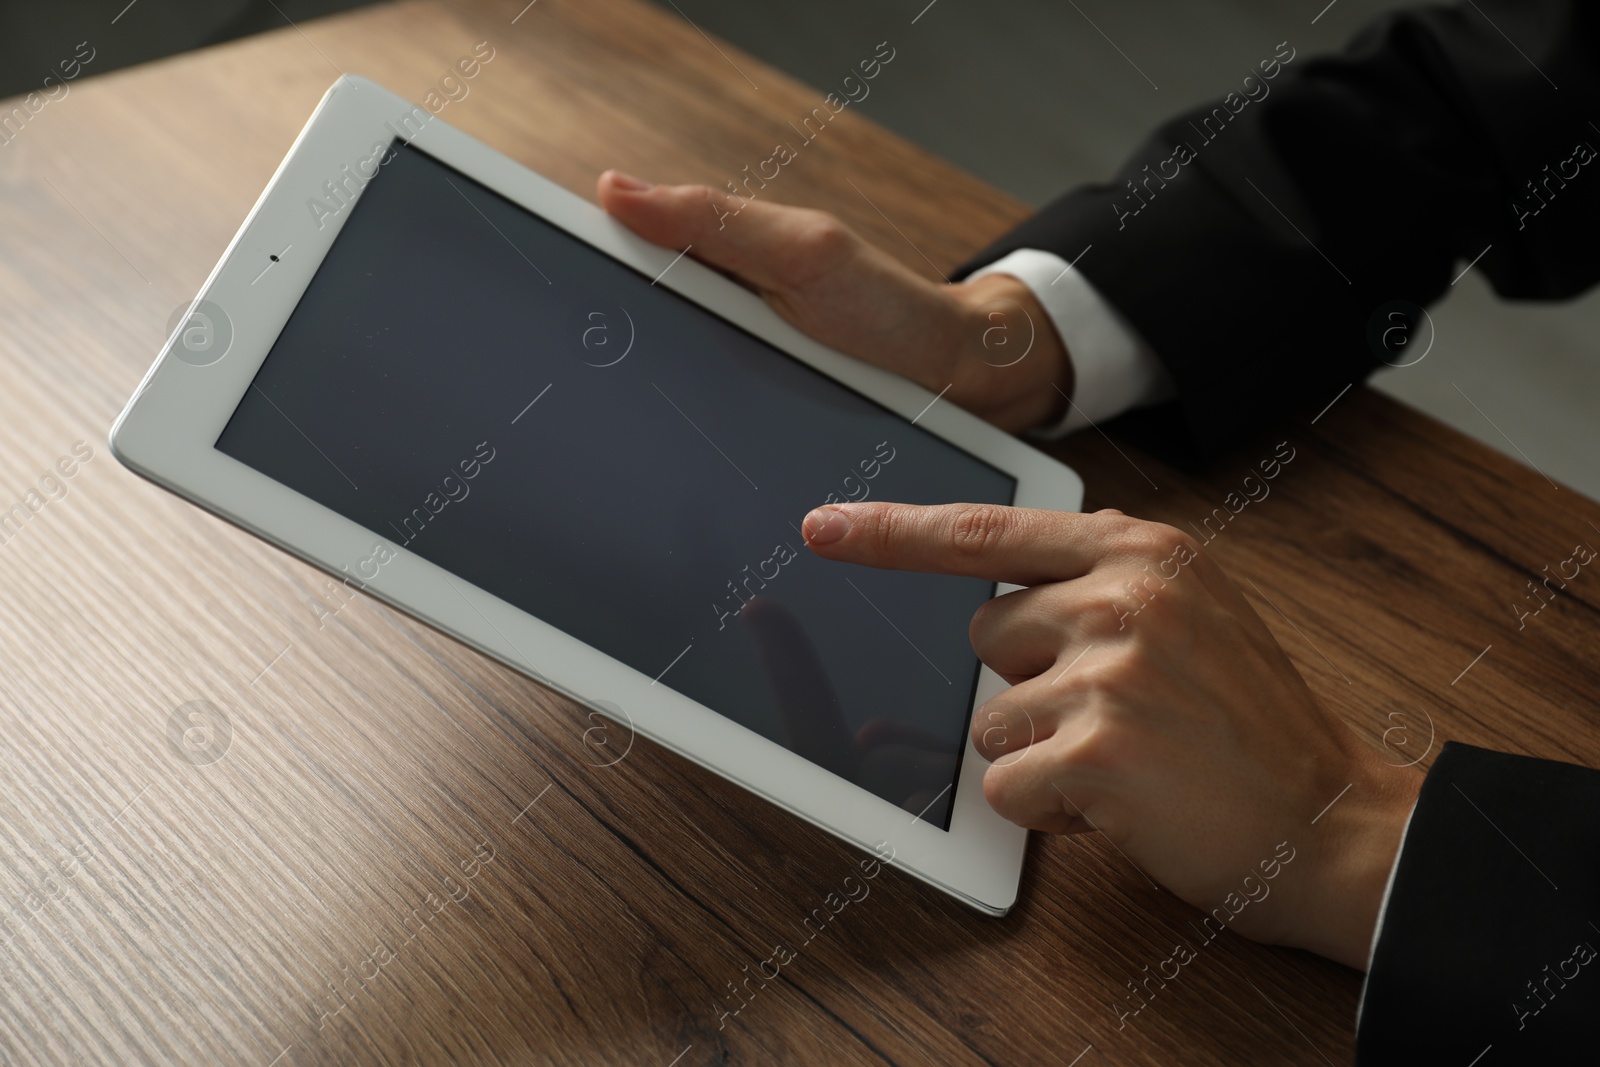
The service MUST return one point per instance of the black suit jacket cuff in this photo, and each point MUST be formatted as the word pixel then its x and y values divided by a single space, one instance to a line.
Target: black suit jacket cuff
pixel 1488 939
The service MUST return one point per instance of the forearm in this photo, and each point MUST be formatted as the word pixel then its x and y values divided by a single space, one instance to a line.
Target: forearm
pixel 1251 240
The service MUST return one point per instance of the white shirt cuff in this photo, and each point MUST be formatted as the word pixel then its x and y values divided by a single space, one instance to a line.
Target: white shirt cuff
pixel 1383 911
pixel 1115 370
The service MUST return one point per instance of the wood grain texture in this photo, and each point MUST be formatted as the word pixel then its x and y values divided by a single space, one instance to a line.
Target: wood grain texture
pixel 383 786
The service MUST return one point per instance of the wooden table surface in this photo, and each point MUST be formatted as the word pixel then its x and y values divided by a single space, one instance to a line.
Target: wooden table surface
pixel 403 852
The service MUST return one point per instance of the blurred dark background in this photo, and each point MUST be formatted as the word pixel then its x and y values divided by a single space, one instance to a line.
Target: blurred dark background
pixel 1035 96
pixel 36 34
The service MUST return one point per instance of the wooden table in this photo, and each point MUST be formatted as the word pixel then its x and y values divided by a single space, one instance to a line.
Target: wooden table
pixel 407 852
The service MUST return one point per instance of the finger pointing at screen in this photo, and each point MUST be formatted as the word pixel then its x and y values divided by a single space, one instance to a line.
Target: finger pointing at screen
pixel 1159 710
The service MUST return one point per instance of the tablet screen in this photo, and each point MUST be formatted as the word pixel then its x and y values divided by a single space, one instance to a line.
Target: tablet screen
pixel 478 386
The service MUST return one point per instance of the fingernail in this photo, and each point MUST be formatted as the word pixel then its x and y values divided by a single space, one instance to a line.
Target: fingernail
pixel 628 183
pixel 824 526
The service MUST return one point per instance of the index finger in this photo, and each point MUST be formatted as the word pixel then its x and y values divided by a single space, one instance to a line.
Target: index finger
pixel 1022 546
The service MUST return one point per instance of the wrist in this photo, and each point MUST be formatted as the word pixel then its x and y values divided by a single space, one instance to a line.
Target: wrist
pixel 1356 845
pixel 1010 361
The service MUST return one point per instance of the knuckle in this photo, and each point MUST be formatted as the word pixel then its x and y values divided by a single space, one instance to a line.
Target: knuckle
pixel 991 733
pixel 1098 746
pixel 981 732
pixel 1181 542
pixel 1144 539
pixel 986 618
pixel 702 210
pixel 1111 677
pixel 978 528
pixel 705 196
pixel 1170 541
pixel 1131 600
pixel 823 237
pixel 978 629
pixel 1005 725
pixel 1004 792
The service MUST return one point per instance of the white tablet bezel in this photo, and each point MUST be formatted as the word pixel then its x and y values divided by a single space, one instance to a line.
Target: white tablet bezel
pixel 168 431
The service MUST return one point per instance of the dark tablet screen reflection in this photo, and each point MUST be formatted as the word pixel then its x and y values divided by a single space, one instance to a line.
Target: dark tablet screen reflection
pixel 472 383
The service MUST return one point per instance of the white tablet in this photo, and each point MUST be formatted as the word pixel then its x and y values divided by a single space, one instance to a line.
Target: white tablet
pixel 449 382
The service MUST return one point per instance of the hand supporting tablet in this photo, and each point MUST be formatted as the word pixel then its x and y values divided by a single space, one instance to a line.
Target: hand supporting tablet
pixel 988 341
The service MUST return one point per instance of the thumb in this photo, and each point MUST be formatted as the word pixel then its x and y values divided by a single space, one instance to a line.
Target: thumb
pixel 770 247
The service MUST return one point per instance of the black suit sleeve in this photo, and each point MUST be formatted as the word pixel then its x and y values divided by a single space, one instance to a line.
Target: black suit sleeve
pixel 1252 241
pixel 1490 934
